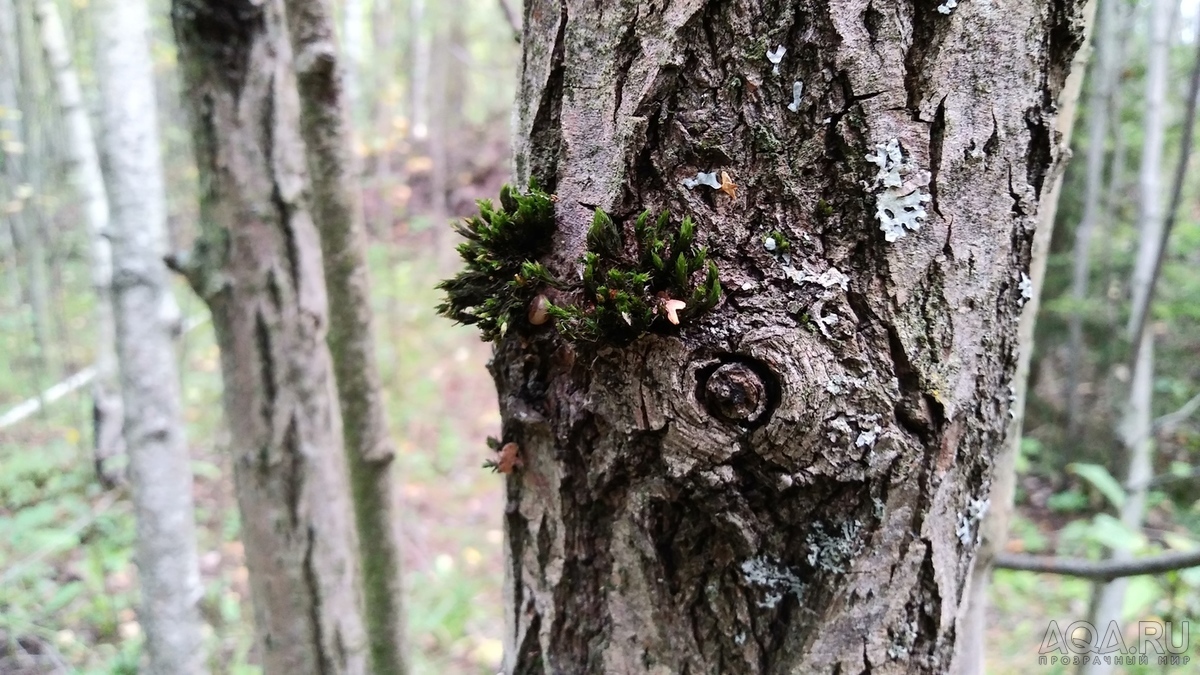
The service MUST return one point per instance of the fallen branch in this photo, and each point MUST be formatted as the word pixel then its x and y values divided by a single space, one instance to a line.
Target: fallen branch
pixel 1099 570
pixel 83 378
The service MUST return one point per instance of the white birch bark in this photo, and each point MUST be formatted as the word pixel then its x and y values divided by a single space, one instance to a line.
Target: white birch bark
pixel 85 167
pixel 1135 430
pixel 159 470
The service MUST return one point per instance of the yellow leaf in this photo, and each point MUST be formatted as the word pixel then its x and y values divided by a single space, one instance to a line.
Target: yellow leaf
pixel 72 434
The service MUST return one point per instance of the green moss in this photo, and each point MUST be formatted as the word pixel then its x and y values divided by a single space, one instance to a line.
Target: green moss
pixel 501 275
pixel 779 243
pixel 824 210
pixel 626 289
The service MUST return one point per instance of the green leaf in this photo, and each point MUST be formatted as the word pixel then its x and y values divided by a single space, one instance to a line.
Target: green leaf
pixel 1102 480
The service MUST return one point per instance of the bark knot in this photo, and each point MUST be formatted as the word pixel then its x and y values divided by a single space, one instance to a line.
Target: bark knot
pixel 735 393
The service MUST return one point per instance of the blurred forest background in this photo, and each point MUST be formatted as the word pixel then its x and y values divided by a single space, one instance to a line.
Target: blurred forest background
pixel 432 86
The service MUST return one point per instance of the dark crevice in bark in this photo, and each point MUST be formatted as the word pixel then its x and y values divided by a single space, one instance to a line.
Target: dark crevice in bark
pixel 628 48
pixel 293 464
pixel 872 21
pixel 1039 153
pixel 546 134
pixel 937 133
pixel 262 342
pixel 926 42
pixel 324 667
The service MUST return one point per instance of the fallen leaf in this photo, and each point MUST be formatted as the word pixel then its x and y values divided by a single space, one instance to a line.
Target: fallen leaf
pixel 728 186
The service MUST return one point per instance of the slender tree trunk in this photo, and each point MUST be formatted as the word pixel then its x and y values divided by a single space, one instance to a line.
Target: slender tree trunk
pixel 28 226
pixel 418 82
pixel 994 529
pixel 11 151
pixel 1136 428
pixel 257 263
pixel 106 397
pixel 1103 83
pixel 159 469
pixel 336 209
pixel 661 524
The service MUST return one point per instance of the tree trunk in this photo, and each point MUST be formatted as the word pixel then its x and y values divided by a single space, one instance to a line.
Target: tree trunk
pixel 1103 82
pixel 993 535
pixel 257 264
pixel 159 469
pixel 792 482
pixel 325 125
pixel 85 167
pixel 1136 431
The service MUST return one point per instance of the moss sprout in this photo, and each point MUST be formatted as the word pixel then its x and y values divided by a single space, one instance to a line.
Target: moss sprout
pixel 501 276
pixel 662 279
pixel 627 287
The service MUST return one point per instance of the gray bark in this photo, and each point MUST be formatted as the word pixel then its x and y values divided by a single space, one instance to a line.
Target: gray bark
pixel 159 470
pixel 85 169
pixel 1104 82
pixel 257 264
pixel 325 126
pixel 1136 427
pixel 645 534
pixel 994 528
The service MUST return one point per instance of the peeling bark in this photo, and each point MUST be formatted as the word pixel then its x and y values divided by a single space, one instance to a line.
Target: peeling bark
pixel 258 265
pixel 651 531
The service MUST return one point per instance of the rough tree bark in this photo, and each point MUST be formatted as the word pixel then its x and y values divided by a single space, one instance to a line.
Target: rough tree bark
pixel 257 263
pixel 159 470
pixel 107 414
pixel 823 517
pixel 325 126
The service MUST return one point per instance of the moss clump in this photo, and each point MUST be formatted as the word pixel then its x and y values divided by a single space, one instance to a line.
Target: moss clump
pixel 663 278
pixel 501 275
pixel 660 278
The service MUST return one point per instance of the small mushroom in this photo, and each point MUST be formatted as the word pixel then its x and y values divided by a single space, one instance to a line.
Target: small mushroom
pixel 538 310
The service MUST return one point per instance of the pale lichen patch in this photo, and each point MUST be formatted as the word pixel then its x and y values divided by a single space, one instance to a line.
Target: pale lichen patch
pixel 899 200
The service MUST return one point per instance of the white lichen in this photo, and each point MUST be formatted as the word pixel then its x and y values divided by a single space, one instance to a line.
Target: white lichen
pixel 828 279
pixel 975 512
pixel 1026 287
pixel 709 179
pixel 797 92
pixel 775 57
pixel 777 579
pixel 831 552
pixel 899 202
pixel 867 439
pixel 947 6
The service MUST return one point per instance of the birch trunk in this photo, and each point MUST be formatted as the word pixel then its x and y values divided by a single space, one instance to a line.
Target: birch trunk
pixel 159 470
pixel 85 168
pixel 325 126
pixel 1136 431
pixel 832 530
pixel 257 263
pixel 1103 82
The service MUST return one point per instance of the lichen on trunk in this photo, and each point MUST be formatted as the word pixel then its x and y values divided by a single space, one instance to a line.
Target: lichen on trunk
pixel 792 481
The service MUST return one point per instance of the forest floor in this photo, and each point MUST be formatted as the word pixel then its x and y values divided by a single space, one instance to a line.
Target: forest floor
pixel 68 587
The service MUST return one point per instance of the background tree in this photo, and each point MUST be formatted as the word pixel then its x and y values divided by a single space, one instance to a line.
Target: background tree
pixel 257 263
pixel 793 481
pixel 337 212
pixel 107 414
pixel 159 469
